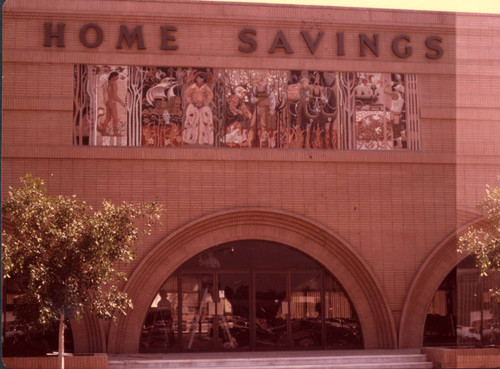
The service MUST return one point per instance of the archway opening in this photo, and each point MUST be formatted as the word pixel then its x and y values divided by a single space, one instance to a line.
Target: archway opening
pixel 463 311
pixel 250 295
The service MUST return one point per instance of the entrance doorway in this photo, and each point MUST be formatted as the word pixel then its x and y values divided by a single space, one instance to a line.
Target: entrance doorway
pixel 247 296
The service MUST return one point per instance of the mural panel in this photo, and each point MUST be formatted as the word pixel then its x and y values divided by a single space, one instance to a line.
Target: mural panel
pixel 311 108
pixel 380 120
pixel 162 108
pixel 244 108
pixel 254 107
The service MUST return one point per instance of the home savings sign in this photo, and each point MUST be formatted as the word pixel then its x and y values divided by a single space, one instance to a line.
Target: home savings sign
pixel 91 36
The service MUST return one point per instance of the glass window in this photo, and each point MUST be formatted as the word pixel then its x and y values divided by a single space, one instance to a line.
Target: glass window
pixel 234 311
pixel 342 326
pixel 463 310
pixel 161 326
pixel 198 311
pixel 251 254
pixel 305 309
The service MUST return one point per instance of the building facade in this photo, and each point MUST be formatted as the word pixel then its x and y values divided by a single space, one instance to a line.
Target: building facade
pixel 317 164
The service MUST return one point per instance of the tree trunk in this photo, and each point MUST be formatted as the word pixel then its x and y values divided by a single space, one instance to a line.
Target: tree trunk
pixel 60 356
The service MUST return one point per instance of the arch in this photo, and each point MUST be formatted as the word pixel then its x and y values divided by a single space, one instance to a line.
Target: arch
pixel 271 225
pixel 88 334
pixel 427 280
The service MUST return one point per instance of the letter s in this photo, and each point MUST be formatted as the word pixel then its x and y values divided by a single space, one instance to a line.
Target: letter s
pixel 252 43
pixel 432 43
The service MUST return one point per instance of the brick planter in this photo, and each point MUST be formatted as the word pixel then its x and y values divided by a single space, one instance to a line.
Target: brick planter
pixel 443 357
pixel 90 361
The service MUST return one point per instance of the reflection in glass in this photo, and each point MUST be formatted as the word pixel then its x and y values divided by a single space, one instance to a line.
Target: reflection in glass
pixel 251 254
pixel 441 318
pixel 234 312
pixel 197 312
pixel 463 311
pixel 477 313
pixel 250 295
pixel 160 326
pixel 342 326
pixel 271 310
pixel 305 310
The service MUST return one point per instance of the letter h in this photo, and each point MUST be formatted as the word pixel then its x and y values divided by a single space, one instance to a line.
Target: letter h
pixel 59 34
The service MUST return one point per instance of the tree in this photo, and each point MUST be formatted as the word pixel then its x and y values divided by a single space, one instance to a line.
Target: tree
pixel 483 242
pixel 68 255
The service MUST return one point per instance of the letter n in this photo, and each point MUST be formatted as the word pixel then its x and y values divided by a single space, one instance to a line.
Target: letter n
pixel 365 41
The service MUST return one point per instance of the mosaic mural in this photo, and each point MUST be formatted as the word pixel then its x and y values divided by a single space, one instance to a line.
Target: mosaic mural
pixel 244 108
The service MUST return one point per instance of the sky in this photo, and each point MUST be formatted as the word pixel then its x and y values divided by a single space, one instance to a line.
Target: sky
pixel 470 6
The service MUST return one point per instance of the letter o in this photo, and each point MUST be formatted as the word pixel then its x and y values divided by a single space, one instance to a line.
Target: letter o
pixel 83 35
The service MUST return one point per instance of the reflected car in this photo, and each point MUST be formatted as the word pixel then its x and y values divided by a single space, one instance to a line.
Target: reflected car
pixel 157 330
pixel 468 334
pixel 305 332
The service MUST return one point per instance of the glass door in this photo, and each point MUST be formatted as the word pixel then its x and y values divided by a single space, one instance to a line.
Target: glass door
pixel 197 304
pixel 305 309
pixel 271 311
pixel 160 329
pixel 250 295
pixel 233 311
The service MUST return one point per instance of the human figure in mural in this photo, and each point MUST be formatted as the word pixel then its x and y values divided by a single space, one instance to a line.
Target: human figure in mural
pixel 305 116
pixel 364 92
pixel 398 100
pixel 318 100
pixel 297 95
pixel 263 119
pixel 328 110
pixel 238 119
pixel 379 92
pixel 198 126
pixel 112 102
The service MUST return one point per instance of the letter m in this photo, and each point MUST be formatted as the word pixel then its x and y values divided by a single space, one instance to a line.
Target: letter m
pixel 130 37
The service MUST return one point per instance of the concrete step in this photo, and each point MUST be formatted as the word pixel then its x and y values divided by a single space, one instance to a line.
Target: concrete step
pixel 419 365
pixel 276 362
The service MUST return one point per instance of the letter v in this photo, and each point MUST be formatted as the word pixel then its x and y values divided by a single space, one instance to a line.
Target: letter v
pixel 307 37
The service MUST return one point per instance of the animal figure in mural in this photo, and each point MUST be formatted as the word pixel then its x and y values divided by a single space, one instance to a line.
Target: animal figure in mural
pixel 238 117
pixel 312 111
pixel 235 136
